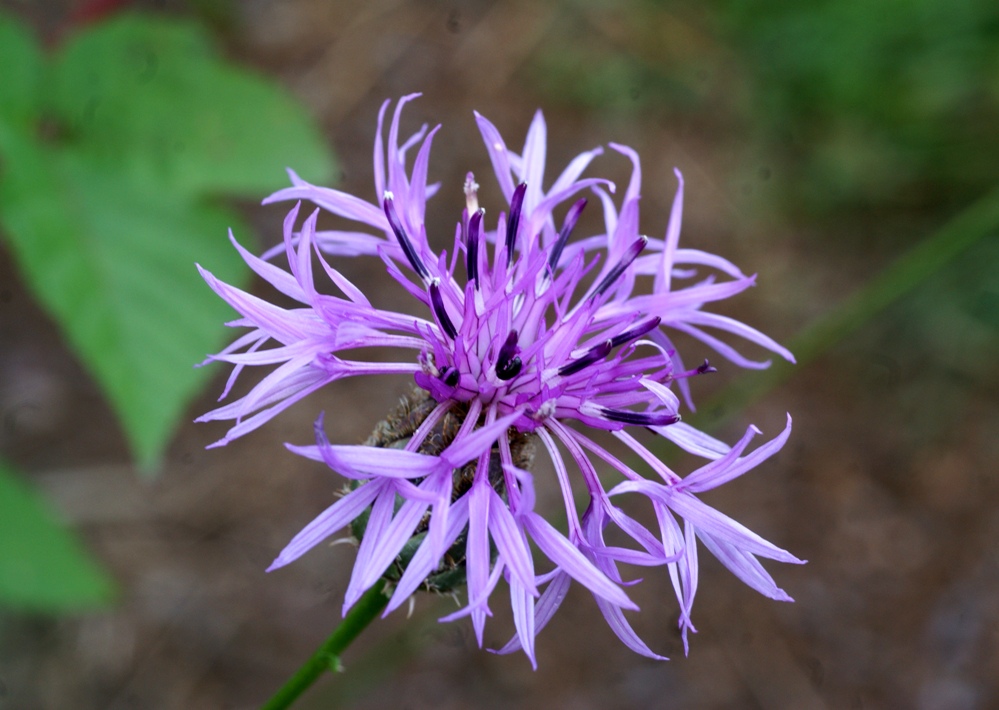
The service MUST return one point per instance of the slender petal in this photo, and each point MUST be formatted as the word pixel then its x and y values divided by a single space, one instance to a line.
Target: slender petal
pixel 518 329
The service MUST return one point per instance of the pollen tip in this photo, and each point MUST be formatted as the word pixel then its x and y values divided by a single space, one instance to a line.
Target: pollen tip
pixel 706 368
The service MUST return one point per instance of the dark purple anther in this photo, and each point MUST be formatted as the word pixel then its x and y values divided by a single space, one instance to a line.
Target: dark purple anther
pixel 450 376
pixel 472 246
pixel 636 332
pixel 516 205
pixel 400 234
pixel 702 369
pixel 571 217
pixel 639 418
pixel 594 354
pixel 629 256
pixel 508 363
pixel 437 301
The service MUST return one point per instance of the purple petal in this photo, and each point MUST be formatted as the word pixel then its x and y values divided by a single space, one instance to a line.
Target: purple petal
pixel 337 516
pixel 510 543
pixel 374 461
pixel 703 258
pixel 497 154
pixel 533 169
pixel 744 566
pixel 622 629
pixel 725 529
pixel 379 156
pixel 464 449
pixel 391 542
pixel 560 551
pixel 522 604
pixel 574 169
pixel 663 276
pixel 339 203
pixel 728 468
pixel 733 326
pixel 425 561
pixel 544 609
pixel 693 441
pixel 375 529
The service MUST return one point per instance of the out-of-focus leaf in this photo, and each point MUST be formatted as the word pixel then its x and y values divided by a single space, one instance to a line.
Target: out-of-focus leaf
pixel 114 263
pixel 107 209
pixel 43 567
pixel 21 61
pixel 150 99
pixel 887 103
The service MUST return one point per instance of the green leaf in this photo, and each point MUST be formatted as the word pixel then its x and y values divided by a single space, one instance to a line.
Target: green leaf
pixel 114 263
pixel 43 566
pixel 149 98
pixel 109 207
pixel 21 61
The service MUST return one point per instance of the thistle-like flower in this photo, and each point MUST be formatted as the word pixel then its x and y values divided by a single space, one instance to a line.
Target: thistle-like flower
pixel 528 337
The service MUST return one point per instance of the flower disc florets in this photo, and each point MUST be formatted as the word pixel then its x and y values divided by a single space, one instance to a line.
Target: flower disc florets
pixel 527 326
pixel 513 339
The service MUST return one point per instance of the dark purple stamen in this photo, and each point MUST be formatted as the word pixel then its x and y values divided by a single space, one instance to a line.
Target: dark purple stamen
pixel 637 332
pixel 472 246
pixel 508 363
pixel 597 352
pixel 702 369
pixel 450 376
pixel 571 217
pixel 437 301
pixel 629 256
pixel 706 367
pixel 400 235
pixel 639 418
pixel 516 205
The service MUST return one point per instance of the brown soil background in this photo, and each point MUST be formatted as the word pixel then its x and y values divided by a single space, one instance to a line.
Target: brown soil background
pixel 888 485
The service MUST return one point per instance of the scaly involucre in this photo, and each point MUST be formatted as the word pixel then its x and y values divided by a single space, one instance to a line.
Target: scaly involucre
pixel 524 330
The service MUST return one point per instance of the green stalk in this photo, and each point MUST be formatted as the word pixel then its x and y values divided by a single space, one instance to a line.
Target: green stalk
pixel 327 656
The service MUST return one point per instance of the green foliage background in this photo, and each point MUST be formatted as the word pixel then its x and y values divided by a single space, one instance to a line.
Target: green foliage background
pixel 867 105
pixel 114 150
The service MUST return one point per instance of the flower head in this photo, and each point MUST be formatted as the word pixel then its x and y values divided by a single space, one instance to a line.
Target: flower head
pixel 525 328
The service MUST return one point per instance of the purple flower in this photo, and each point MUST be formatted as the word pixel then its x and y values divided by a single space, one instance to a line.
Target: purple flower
pixel 525 327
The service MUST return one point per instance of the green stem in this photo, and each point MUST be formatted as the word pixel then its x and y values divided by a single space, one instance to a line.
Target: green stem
pixel 327 656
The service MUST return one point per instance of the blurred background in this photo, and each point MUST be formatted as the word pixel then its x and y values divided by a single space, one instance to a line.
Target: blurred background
pixel 845 151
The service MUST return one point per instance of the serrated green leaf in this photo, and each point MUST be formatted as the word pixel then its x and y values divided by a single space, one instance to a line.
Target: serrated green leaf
pixel 43 566
pixel 108 213
pixel 114 263
pixel 150 98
